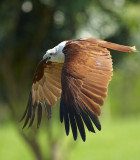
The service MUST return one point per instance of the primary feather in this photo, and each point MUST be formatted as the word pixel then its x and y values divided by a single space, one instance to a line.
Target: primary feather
pixel 78 72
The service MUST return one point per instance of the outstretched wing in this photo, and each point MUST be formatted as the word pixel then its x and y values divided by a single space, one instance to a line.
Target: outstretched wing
pixel 85 76
pixel 46 89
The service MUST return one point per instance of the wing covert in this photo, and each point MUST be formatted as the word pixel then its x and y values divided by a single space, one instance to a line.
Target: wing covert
pixel 85 76
pixel 45 91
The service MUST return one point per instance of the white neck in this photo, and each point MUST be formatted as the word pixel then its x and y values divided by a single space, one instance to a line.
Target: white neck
pixel 59 52
pixel 58 55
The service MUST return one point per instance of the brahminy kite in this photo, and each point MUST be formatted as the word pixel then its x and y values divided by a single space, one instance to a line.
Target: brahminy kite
pixel 78 72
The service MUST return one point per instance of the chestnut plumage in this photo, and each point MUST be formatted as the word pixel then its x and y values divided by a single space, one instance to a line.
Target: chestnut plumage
pixel 80 78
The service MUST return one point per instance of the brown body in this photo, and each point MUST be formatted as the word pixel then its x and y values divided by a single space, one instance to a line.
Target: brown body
pixel 81 82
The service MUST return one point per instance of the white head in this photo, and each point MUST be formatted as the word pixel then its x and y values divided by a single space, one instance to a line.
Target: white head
pixel 56 54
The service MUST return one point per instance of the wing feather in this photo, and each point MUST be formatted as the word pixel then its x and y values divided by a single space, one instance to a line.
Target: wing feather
pixel 93 90
pixel 52 98
pixel 48 109
pixel 54 82
pixel 39 114
pixel 46 89
pixel 56 91
pixel 95 97
pixel 90 104
pixel 85 77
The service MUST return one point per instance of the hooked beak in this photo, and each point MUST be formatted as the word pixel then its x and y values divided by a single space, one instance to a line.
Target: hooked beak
pixel 46 58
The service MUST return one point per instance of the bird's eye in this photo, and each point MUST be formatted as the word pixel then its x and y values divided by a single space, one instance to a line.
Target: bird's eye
pixel 51 54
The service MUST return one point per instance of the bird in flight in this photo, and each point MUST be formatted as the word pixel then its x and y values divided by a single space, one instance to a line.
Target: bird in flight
pixel 78 72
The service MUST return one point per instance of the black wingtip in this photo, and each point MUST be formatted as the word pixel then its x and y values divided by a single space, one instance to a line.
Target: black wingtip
pixel 99 128
pixel 39 114
pixel 48 109
pixel 61 111
pixel 85 116
pixel 65 116
pixel 95 120
pixel 75 137
pixel 67 128
pixel 29 104
pixel 71 113
pixel 80 124
pixel 76 116
pixel 83 138
pixel 28 116
pixel 25 123
pixel 23 116
pixel 33 115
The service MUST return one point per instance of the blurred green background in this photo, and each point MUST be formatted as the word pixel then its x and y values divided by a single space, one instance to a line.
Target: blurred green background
pixel 30 27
